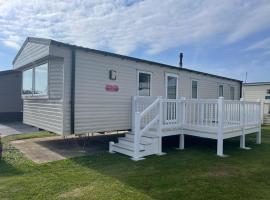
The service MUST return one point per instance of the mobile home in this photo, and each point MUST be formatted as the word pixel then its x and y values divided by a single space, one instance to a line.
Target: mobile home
pixel 70 89
pixel 259 91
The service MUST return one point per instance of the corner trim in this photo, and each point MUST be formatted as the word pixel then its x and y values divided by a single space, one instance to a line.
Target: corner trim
pixel 72 90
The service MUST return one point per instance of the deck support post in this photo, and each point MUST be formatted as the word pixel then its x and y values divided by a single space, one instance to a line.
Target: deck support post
pixel 182 136
pixel 111 147
pixel 259 133
pixel 259 136
pixel 182 142
pixel 220 126
pixel 242 141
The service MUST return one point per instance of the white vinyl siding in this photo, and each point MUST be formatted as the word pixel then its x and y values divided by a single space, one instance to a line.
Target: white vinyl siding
pixel 31 52
pixel 99 110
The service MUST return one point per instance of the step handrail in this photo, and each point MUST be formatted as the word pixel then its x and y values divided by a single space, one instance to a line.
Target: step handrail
pixel 150 107
pixel 150 124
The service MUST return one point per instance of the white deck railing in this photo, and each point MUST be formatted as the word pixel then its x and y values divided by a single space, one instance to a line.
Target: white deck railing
pixel 217 115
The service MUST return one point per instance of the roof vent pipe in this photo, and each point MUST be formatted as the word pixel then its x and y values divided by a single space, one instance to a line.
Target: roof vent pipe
pixel 181 60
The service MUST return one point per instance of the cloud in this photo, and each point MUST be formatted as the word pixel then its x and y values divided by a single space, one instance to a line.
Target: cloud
pixel 263 45
pixel 124 25
pixel 11 44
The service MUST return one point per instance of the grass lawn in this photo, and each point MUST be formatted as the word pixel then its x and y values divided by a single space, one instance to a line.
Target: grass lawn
pixel 195 173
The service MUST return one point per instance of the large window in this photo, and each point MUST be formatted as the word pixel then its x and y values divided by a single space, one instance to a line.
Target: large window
pixel 231 93
pixel 41 80
pixel 194 89
pixel 268 91
pixel 220 90
pixel 144 84
pixel 171 86
pixel 35 81
pixel 27 82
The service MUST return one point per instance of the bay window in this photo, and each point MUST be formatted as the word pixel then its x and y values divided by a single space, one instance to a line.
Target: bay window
pixel 41 80
pixel 35 81
pixel 27 82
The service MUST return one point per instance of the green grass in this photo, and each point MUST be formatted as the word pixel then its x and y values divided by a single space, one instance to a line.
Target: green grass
pixel 195 173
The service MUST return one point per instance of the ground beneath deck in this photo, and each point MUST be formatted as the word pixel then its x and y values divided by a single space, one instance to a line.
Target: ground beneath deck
pixel 48 149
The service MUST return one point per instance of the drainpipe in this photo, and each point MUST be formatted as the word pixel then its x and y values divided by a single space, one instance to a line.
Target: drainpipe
pixel 72 90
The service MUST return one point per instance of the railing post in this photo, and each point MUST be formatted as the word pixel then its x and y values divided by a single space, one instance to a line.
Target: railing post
pixel 160 124
pixel 220 126
pixel 242 124
pixel 133 111
pixel 137 130
pixel 259 134
pixel 182 136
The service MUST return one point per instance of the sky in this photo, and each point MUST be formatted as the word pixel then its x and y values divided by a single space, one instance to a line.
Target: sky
pixel 228 38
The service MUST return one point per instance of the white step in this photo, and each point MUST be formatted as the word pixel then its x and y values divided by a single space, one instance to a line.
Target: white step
pixel 124 149
pixel 130 142
pixel 131 139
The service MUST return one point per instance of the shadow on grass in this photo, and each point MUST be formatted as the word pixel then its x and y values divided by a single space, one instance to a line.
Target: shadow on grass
pixel 7 169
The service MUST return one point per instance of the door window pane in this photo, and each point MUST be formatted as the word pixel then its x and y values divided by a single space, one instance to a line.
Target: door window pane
pixel 194 89
pixel 144 84
pixel 171 87
pixel 232 93
pixel 220 91
pixel 27 82
pixel 41 79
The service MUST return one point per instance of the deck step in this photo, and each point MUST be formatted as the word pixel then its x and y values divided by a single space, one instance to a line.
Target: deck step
pixel 131 140
pixel 124 149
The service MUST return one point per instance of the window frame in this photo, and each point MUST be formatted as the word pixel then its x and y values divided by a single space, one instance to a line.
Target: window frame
pixel 166 83
pixel 222 90
pixel 33 95
pixel 197 91
pixel 138 84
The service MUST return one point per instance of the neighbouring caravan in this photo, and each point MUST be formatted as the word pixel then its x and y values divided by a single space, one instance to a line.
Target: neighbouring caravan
pixel 11 104
pixel 259 91
pixel 70 89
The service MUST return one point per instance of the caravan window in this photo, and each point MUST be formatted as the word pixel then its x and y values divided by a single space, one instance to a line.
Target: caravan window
pixel 27 87
pixel 144 84
pixel 231 93
pixel 35 81
pixel 41 79
pixel 194 90
pixel 220 90
pixel 171 86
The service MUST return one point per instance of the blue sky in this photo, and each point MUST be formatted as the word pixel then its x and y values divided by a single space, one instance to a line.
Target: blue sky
pixel 227 38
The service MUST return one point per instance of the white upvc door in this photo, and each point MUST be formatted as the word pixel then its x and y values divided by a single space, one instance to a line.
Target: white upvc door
pixel 171 84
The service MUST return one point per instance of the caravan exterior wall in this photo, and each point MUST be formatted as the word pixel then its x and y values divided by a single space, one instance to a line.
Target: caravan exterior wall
pixel 97 108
